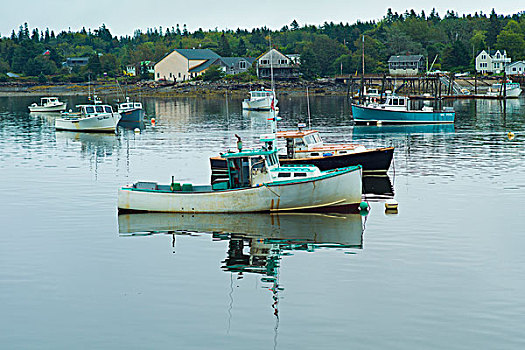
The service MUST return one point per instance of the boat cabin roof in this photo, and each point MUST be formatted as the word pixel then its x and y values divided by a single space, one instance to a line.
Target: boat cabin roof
pixel 292 134
pixel 93 109
pixel 261 93
pixel 50 99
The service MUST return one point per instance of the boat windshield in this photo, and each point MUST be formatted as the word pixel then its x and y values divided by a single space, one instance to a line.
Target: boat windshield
pixel 108 109
pixel 89 109
pixel 99 109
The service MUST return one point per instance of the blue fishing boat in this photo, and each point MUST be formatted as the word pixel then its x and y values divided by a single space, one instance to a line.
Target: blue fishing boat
pixel 396 110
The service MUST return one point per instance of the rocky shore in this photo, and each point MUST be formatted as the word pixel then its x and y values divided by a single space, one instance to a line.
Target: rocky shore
pixel 156 89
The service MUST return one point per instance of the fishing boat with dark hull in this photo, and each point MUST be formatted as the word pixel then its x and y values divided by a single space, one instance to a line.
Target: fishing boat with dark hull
pixel 306 147
pixel 131 112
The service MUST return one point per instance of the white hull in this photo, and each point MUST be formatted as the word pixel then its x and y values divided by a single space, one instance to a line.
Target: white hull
pixel 57 108
pixel 512 92
pixel 98 123
pixel 343 188
pixel 262 104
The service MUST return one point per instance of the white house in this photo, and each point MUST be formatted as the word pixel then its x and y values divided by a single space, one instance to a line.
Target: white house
pixel 515 68
pixel 492 61
pixel 184 64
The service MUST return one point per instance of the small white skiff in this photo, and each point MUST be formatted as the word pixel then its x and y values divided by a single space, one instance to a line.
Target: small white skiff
pixel 48 104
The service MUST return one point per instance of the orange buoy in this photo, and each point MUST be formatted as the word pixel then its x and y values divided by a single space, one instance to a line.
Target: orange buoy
pixel 152 121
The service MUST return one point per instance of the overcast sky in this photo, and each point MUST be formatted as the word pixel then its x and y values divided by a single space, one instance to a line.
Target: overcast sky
pixel 123 17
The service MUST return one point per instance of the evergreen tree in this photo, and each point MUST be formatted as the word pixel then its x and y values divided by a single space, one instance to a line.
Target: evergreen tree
pixel 224 46
pixel 241 48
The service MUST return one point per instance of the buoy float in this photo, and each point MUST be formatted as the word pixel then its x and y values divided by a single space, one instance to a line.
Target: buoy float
pixel 391 204
pixel 152 121
pixel 511 135
pixel 379 123
pixel 363 208
pixel 136 130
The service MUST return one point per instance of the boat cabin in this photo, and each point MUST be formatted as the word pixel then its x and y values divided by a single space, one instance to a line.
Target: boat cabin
pixel 261 94
pixel 130 105
pixel 308 144
pixel 94 109
pixel 49 101
pixel 252 168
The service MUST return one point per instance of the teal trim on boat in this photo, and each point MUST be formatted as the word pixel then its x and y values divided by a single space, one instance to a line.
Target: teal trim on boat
pixel 324 175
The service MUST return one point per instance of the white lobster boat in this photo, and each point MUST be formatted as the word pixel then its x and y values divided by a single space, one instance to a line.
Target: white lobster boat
pixel 262 100
pixel 512 90
pixel 256 183
pixel 92 118
pixel 48 104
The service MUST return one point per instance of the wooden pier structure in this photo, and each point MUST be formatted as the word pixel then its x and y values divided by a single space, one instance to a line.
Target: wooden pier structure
pixel 440 86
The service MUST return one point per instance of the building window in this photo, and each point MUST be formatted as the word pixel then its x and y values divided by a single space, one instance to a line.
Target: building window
pixel 242 65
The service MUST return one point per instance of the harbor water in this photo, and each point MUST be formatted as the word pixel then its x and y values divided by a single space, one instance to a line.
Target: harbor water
pixel 444 272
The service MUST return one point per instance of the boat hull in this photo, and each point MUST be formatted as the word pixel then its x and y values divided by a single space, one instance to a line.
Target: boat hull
pixel 100 123
pixel 509 93
pixel 363 114
pixel 57 108
pixel 132 116
pixel 339 188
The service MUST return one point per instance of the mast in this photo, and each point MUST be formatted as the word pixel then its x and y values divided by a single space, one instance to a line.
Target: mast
pixel 361 92
pixel 274 117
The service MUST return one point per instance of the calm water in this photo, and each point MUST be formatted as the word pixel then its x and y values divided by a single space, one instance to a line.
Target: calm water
pixel 446 272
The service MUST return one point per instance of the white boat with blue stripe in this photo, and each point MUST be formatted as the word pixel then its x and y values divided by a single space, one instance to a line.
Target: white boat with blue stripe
pixel 396 110
pixel 256 183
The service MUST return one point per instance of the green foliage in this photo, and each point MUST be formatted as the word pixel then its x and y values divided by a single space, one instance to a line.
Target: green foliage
pixel 3 78
pixel 42 78
pixel 213 73
pixel 324 48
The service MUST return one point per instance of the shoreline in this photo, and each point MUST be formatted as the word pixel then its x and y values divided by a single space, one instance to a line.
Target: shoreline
pixel 187 89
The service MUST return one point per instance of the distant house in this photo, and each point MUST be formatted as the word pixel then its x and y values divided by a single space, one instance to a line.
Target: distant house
pixel 406 65
pixel 515 68
pixel 492 61
pixel 283 66
pixel 184 64
pixel 75 62
pixel 234 65
pixel 134 69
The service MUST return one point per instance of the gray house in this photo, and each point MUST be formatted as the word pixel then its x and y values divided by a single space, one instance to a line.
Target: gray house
pixel 406 65
pixel 515 68
pixel 235 65
pixel 75 62
pixel 283 66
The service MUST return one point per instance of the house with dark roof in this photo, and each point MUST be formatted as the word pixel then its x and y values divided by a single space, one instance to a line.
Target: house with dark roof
pixel 492 61
pixel 184 64
pixel 283 66
pixel 235 65
pixel 406 64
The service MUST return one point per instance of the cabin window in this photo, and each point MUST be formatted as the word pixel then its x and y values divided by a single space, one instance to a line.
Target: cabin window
pixel 108 109
pixel 272 159
pixel 299 142
pixel 315 154
pixel 394 102
pixel 90 109
pixel 317 138
pixel 401 102
pixel 309 139
pixel 284 175
pixel 99 109
pixel 342 152
pixel 299 175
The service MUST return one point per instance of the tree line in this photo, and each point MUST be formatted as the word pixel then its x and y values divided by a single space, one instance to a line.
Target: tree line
pixel 451 41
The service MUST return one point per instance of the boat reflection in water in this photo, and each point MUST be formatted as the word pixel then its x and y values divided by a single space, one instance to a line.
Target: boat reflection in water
pixel 258 119
pixel 256 242
pixel 99 144
pixel 403 129
pixel 132 125
pixel 377 187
